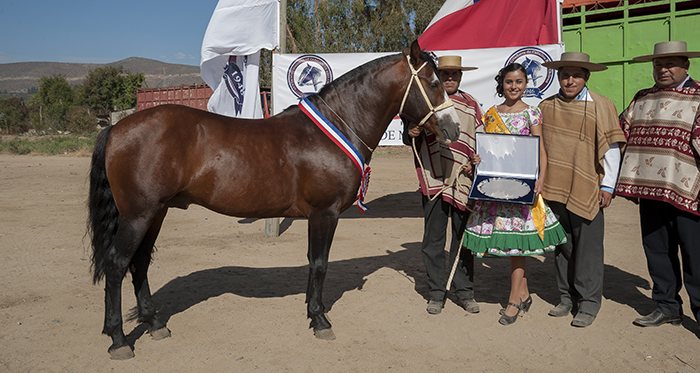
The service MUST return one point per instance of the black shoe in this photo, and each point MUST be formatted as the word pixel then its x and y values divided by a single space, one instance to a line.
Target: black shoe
pixel 507 320
pixel 525 305
pixel 657 318
pixel 560 310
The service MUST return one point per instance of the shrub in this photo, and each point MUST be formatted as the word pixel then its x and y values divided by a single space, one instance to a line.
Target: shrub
pixel 80 120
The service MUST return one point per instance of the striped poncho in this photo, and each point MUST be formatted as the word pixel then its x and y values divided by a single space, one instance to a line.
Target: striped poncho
pixel 444 164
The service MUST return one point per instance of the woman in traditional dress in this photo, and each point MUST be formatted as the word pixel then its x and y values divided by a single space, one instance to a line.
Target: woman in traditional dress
pixel 510 229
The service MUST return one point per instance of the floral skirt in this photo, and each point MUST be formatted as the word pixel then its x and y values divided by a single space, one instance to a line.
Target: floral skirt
pixel 507 229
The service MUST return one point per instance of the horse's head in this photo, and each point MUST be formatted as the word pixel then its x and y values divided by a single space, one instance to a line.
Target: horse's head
pixel 425 100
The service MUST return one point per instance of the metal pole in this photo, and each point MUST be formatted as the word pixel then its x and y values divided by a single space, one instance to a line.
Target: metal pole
pixel 272 225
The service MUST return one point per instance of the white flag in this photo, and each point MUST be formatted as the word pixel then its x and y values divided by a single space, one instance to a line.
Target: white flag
pixel 237 31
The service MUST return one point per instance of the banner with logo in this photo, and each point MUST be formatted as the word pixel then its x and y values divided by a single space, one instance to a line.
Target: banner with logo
pixel 296 75
pixel 237 30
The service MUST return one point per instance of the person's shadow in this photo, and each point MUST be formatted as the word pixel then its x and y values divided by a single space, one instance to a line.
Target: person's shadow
pixel 492 285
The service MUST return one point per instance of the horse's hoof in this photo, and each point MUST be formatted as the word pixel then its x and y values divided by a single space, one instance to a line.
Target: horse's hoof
pixel 159 334
pixel 325 334
pixel 121 353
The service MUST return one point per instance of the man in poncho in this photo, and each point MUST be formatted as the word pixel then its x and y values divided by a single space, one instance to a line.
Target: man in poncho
pixel 583 140
pixel 661 170
pixel 442 173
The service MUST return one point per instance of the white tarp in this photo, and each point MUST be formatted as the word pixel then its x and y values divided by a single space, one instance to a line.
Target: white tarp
pixel 294 75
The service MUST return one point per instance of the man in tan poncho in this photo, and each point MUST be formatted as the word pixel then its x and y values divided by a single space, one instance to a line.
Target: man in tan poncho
pixel 583 141
pixel 661 170
pixel 442 174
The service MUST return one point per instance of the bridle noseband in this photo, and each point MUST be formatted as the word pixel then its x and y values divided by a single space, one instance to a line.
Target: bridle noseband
pixel 414 76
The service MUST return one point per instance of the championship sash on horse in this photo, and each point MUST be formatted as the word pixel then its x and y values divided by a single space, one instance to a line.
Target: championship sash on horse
pixel 343 143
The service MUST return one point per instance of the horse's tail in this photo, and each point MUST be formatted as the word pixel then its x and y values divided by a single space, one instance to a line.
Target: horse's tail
pixel 103 216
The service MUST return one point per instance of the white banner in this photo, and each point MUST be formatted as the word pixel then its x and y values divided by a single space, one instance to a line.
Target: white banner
pixel 238 92
pixel 237 30
pixel 294 75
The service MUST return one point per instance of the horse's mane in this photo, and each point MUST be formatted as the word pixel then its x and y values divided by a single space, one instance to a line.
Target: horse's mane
pixel 372 65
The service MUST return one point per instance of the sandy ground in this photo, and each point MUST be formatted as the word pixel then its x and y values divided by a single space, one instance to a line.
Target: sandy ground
pixel 235 299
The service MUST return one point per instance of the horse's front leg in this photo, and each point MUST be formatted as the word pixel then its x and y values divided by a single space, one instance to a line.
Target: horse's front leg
pixel 321 229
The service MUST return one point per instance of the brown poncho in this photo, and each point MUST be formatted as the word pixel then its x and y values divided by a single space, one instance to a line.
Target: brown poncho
pixel 576 135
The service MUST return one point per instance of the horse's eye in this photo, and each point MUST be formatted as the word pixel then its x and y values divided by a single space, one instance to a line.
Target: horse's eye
pixel 433 84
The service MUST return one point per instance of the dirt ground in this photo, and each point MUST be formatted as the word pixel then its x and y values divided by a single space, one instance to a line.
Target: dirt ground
pixel 235 299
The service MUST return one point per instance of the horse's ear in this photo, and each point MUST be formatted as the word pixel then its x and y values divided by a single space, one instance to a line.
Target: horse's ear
pixel 415 53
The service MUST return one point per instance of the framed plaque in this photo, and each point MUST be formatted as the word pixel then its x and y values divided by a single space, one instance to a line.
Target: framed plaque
pixel 510 165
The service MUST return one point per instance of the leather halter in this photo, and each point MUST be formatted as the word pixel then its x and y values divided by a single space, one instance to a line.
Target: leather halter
pixel 414 76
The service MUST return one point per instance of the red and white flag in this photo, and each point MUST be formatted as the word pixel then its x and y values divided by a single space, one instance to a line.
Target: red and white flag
pixel 237 31
pixel 477 24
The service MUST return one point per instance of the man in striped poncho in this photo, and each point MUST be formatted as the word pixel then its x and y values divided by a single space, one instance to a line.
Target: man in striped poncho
pixel 442 174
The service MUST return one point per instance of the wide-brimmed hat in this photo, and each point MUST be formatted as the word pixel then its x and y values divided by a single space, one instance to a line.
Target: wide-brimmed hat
pixel 669 49
pixel 452 63
pixel 575 59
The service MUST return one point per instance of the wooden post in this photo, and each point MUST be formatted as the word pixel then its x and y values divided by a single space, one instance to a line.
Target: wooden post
pixel 272 225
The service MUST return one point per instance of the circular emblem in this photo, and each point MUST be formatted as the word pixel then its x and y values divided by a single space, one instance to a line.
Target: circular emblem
pixel 539 77
pixel 308 74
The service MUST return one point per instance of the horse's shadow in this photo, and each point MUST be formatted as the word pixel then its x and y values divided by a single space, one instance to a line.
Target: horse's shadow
pixel 184 292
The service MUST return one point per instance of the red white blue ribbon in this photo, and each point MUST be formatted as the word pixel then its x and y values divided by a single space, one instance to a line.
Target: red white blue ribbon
pixel 343 143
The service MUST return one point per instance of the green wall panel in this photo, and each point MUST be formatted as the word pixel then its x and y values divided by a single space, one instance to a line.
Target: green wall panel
pixel 572 40
pixel 609 84
pixel 687 28
pixel 642 35
pixel 604 43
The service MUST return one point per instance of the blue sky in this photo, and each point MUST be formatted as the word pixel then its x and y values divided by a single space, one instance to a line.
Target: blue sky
pixel 100 31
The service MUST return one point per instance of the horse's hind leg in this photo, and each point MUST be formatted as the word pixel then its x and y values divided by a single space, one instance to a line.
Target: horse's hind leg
pixel 139 273
pixel 321 230
pixel 116 262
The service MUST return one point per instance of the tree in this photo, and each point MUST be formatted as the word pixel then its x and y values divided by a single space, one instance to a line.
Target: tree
pixel 55 97
pixel 14 115
pixel 110 88
pixel 338 26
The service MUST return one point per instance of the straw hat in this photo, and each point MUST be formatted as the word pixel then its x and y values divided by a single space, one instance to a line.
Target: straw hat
pixel 452 63
pixel 575 59
pixel 669 49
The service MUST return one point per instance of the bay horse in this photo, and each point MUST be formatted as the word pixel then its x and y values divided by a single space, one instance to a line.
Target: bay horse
pixel 282 166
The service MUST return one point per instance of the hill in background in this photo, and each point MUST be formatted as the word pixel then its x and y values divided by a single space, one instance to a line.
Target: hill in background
pixel 16 79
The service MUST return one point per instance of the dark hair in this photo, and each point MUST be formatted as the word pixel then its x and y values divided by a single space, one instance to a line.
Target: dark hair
pixel 502 74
